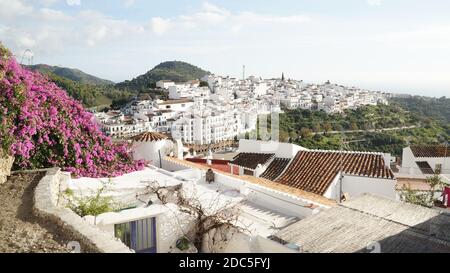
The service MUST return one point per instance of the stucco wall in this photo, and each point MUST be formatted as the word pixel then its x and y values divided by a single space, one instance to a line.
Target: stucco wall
pixel 6 163
pixel 149 151
pixel 285 150
pixel 275 200
pixel 355 186
pixel 170 224
pixel 333 191
pixel 238 242
pixel 409 165
pixel 47 206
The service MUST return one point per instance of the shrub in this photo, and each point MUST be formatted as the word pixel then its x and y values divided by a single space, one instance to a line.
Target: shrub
pixel 43 127
pixel 91 205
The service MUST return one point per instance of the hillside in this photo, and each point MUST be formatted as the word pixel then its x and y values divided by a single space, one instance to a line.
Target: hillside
pixel 382 128
pixel 175 71
pixel 436 108
pixel 90 95
pixel 69 73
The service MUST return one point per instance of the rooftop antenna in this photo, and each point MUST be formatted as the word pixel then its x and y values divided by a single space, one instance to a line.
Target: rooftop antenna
pixel 243 72
pixel 29 58
pixel 341 165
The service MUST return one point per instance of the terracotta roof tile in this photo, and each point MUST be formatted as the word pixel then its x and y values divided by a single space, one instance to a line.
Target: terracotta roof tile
pixel 275 168
pixel 263 182
pixel 314 171
pixel 251 160
pixel 149 137
pixel 430 151
pixel 176 101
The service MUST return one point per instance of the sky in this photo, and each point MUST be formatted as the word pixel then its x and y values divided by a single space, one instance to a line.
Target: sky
pixel 388 45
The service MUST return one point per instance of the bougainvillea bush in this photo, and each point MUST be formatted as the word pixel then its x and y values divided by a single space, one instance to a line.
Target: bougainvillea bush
pixel 41 126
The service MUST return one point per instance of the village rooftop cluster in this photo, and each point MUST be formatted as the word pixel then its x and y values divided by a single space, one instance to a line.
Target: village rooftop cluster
pixel 227 107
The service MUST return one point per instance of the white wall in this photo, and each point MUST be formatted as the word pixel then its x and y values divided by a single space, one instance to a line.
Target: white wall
pixel 275 200
pixel 409 165
pixel 242 243
pixel 355 186
pixel 172 166
pixel 149 151
pixel 285 150
pixel 333 191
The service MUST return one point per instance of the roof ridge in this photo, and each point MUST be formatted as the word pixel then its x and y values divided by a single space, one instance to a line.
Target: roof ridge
pixel 338 151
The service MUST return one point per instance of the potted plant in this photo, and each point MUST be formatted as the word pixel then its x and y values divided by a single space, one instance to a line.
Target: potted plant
pixel 183 244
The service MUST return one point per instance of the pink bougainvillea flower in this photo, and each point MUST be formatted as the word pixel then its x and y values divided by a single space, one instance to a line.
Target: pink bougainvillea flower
pixel 43 127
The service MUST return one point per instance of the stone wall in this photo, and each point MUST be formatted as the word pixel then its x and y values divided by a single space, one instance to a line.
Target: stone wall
pixel 48 207
pixel 6 163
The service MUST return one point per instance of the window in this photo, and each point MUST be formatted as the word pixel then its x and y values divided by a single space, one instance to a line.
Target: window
pixel 138 235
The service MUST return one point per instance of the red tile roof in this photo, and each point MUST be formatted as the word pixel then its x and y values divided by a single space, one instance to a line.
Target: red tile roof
pixel 176 101
pixel 220 165
pixel 251 160
pixel 275 168
pixel 263 182
pixel 149 137
pixel 314 171
pixel 430 151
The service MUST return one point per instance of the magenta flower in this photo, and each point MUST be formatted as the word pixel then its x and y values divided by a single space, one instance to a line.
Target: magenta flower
pixel 43 127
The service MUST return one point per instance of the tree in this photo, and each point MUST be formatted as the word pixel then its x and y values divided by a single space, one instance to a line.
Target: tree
pixel 284 136
pixel 210 221
pixel 293 135
pixel 426 199
pixel 327 127
pixel 316 127
pixel 306 133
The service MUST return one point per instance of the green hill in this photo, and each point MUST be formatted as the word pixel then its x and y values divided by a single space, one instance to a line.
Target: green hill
pixel 381 128
pixel 88 94
pixel 175 71
pixel 436 108
pixel 70 73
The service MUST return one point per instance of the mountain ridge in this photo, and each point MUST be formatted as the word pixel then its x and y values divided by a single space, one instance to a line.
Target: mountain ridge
pixel 73 74
pixel 177 71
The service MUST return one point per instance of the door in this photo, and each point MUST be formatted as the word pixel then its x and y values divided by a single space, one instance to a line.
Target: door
pixel 138 235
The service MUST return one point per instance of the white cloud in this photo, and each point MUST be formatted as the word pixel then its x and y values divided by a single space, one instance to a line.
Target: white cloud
pixel 374 2
pixel 128 3
pixel 159 25
pixel 73 2
pixel 216 19
pixel 13 8
pixel 48 3
pixel 51 14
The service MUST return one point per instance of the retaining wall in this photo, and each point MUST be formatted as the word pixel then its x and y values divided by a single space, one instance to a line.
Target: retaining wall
pixel 48 206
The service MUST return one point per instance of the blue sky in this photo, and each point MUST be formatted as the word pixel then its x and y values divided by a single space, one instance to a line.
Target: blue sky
pixel 390 45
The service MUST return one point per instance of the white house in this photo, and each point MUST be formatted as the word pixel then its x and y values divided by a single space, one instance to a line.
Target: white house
pixel 425 160
pixel 147 225
pixel 332 174
pixel 164 84
pixel 179 105
pixel 149 146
